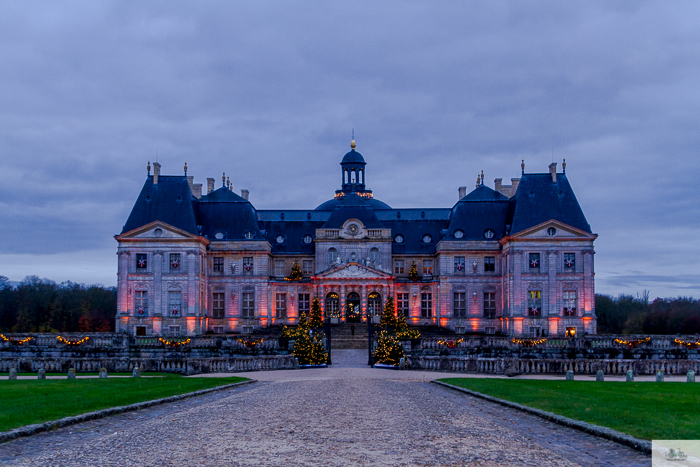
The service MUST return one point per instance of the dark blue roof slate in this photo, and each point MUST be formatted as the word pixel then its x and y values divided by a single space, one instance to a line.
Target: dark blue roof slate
pixel 538 200
pixel 353 157
pixel 413 232
pixel 413 214
pixel 481 210
pixel 293 215
pixel 332 203
pixel 222 195
pixel 223 211
pixel 352 206
pixel 293 232
pixel 170 201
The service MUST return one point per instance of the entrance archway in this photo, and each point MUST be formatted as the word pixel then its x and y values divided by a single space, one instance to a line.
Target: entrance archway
pixel 353 312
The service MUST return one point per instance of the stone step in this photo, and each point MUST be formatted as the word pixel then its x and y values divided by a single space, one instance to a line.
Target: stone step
pixel 349 343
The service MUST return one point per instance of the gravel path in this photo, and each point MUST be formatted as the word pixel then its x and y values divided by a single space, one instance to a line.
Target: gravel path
pixel 342 416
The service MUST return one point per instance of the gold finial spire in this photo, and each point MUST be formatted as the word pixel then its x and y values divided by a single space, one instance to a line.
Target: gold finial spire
pixel 148 167
pixel 482 177
pixel 185 168
pixel 563 165
pixel 478 179
pixel 352 144
pixel 228 182
pixel 522 166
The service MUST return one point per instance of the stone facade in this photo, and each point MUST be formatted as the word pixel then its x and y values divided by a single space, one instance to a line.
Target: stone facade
pixel 516 261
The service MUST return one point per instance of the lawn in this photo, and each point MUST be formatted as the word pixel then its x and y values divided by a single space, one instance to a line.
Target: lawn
pixel 645 410
pixel 24 402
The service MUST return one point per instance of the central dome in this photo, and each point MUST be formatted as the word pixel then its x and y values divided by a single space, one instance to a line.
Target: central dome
pixel 353 157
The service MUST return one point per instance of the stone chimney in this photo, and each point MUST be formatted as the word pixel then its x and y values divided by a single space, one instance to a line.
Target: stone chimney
pixel 210 185
pixel 462 192
pixel 156 172
pixel 553 171
pixel 498 184
pixel 197 190
pixel 244 194
pixel 515 182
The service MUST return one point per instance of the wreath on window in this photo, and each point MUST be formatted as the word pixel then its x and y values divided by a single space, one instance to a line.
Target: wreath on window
pixel 175 311
pixel 142 263
pixel 534 263
pixel 141 311
pixel 534 311
pixel 459 266
pixel 569 263
pixel 248 267
pixel 174 264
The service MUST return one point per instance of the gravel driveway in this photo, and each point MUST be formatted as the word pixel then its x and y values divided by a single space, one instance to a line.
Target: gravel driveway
pixel 342 416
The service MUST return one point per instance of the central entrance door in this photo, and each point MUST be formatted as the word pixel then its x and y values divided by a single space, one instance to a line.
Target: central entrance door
pixel 353 313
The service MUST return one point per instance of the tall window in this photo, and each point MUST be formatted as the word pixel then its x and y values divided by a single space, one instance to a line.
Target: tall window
pixel 489 304
pixel 219 264
pixel 141 303
pixel 374 303
pixel 534 303
pixel 281 305
pixel 141 261
pixel 460 305
pixel 248 305
pixel 398 266
pixel 402 305
pixel 332 305
pixel 426 305
pixel 304 303
pixel 247 265
pixel 307 266
pixel 174 298
pixel 174 330
pixel 219 305
pixel 569 262
pixel 279 267
pixel 534 265
pixel 489 264
pixel 459 265
pixel 374 255
pixel 332 255
pixel 427 267
pixel 569 303
pixel 174 261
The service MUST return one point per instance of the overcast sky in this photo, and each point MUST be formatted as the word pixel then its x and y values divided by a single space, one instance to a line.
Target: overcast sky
pixel 269 93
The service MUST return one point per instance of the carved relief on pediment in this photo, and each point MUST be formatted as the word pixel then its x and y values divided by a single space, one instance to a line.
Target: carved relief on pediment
pixel 354 270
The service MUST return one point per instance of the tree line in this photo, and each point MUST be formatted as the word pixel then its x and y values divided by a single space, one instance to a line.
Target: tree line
pixel 41 305
pixel 628 314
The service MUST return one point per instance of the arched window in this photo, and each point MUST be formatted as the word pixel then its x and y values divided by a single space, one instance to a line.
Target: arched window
pixel 345 177
pixel 353 176
pixel 374 303
pixel 332 304
pixel 332 255
pixel 374 255
pixel 361 177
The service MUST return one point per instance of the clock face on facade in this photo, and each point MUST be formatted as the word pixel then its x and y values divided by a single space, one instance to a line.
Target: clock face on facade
pixel 353 229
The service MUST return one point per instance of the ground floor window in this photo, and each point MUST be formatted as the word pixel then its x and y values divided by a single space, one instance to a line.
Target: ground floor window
pixel 570 332
pixel 460 305
pixel 332 305
pixel 402 305
pixel 248 305
pixel 374 303
pixel 489 304
pixel 304 303
pixel 534 331
pixel 534 303
pixel 426 305
pixel 218 309
pixel 174 298
pixel 140 330
pixel 141 303
pixel 281 305
pixel 218 329
pixel 569 303
pixel 174 330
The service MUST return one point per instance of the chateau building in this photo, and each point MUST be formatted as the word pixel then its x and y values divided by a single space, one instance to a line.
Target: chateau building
pixel 514 260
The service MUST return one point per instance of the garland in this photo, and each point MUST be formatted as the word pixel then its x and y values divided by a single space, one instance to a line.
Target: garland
pixel 690 345
pixel 174 343
pixel 407 334
pixel 633 343
pixel 15 341
pixel 528 342
pixel 65 341
pixel 249 343
pixel 450 344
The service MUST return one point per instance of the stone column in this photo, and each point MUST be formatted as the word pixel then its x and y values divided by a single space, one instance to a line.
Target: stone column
pixel 191 283
pixel 342 300
pixel 363 299
pixel 158 284
pixel 552 291
pixel 517 304
pixel 123 285
pixel 588 299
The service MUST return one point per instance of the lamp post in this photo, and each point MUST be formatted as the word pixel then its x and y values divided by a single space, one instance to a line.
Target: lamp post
pixel 370 335
pixel 327 325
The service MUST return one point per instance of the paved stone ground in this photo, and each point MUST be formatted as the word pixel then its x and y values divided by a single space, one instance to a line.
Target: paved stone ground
pixel 342 416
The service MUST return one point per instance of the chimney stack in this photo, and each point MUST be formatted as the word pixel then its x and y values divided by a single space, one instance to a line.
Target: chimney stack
pixel 156 172
pixel 498 184
pixel 553 171
pixel 210 185
pixel 244 194
pixel 462 192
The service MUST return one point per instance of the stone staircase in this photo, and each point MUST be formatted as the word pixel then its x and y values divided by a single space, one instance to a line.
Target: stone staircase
pixel 342 338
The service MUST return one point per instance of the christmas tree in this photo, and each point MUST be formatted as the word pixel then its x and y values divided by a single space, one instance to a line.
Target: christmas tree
pixel 296 274
pixel 413 272
pixel 316 320
pixel 389 350
pixel 389 314
pixel 308 348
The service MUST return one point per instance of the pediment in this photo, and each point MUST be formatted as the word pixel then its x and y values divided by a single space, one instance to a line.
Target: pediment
pixel 354 270
pixel 156 230
pixel 561 231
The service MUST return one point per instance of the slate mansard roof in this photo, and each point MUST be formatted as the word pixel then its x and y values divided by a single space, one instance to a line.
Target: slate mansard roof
pixel 223 215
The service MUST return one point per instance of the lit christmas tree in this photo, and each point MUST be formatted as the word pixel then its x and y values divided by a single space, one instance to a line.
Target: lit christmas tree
pixel 308 348
pixel 389 315
pixel 413 272
pixel 389 350
pixel 316 320
pixel 296 274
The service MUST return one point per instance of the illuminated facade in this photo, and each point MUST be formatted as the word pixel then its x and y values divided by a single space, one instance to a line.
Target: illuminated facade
pixel 516 260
